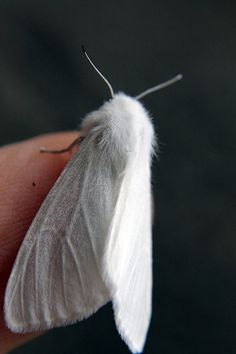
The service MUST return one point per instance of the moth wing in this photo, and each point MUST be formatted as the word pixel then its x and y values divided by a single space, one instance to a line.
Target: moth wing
pixel 128 259
pixel 56 278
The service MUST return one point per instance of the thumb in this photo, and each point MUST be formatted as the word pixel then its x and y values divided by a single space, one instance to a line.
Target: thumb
pixel 26 177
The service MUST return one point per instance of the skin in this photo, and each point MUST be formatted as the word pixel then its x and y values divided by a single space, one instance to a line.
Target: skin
pixel 26 176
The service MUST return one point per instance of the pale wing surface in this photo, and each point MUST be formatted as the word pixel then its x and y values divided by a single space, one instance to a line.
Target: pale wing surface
pixel 128 260
pixel 56 277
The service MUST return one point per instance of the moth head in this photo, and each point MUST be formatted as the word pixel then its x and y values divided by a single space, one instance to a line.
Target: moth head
pixel 122 108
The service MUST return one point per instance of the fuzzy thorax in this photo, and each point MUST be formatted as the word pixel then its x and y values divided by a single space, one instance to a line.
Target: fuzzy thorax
pixel 123 120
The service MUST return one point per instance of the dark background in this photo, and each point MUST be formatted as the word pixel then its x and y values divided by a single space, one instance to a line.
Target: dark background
pixel 46 85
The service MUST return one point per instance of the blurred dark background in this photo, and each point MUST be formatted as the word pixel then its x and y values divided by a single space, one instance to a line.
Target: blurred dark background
pixel 46 84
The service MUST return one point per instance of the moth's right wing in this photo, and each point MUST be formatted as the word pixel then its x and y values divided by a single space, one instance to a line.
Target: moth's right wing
pixel 56 278
pixel 128 256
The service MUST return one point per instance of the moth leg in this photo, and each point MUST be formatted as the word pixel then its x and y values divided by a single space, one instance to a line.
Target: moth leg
pixel 77 141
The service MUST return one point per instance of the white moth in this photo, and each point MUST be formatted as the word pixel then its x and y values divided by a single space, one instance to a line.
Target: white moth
pixel 90 241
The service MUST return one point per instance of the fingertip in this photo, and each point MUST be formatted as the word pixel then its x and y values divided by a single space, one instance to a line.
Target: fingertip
pixel 25 179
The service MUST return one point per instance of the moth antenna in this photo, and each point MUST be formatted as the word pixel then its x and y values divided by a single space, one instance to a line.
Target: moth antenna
pixel 99 73
pixel 160 86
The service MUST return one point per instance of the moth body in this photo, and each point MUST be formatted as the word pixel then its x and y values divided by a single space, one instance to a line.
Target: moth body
pixel 90 241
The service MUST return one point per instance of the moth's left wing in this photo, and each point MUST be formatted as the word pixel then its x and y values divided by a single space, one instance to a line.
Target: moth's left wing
pixel 56 279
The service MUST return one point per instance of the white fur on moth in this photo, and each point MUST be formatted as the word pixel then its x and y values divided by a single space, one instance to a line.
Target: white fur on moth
pixel 90 241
